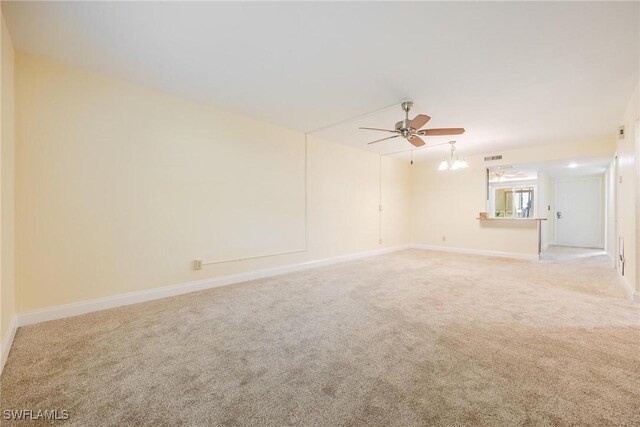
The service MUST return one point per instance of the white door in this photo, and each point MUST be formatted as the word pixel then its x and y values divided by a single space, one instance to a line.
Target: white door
pixel 578 216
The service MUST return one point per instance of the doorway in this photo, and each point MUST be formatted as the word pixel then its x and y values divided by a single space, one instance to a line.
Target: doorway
pixel 579 212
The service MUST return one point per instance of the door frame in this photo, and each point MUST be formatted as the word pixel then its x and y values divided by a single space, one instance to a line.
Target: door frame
pixel 616 235
pixel 600 207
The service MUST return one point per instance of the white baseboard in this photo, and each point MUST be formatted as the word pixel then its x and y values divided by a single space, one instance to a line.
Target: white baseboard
pixel 84 307
pixel 500 254
pixel 613 260
pixel 628 289
pixel 5 345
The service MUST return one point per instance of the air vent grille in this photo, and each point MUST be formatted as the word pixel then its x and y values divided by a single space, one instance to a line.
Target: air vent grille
pixel 489 158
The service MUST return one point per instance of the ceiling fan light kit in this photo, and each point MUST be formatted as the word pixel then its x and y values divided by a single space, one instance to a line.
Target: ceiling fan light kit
pixel 411 129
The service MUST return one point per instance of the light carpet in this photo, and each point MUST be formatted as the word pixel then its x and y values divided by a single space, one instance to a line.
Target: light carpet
pixel 409 338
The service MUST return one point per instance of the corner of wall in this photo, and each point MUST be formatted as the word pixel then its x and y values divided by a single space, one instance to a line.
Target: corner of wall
pixel 7 205
pixel 7 341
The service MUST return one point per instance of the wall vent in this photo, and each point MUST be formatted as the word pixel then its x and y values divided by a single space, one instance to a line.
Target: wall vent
pixel 489 158
pixel 621 132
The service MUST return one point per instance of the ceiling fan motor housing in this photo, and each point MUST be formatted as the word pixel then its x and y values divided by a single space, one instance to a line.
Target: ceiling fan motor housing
pixel 407 105
pixel 403 124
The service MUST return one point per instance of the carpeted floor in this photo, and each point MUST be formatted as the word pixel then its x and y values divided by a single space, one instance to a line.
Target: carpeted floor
pixel 410 338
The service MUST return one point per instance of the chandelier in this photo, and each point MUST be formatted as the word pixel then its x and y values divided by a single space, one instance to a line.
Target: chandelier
pixel 452 164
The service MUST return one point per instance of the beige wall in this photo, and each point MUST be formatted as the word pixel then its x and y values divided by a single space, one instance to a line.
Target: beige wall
pixel 546 195
pixel 610 210
pixel 446 203
pixel 7 273
pixel 627 189
pixel 120 187
pixel 396 199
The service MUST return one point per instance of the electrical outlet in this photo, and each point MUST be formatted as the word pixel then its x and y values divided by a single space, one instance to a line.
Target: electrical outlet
pixel 197 264
pixel 444 238
pixel 379 241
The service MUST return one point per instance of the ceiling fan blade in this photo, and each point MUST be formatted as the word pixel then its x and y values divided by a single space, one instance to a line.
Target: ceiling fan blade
pixel 419 121
pixel 383 130
pixel 383 139
pixel 416 141
pixel 442 131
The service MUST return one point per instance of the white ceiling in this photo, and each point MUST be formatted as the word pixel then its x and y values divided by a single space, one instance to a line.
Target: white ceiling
pixel 511 73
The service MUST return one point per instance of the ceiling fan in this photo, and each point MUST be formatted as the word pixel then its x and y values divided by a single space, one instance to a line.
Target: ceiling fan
pixel 508 172
pixel 410 129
